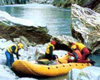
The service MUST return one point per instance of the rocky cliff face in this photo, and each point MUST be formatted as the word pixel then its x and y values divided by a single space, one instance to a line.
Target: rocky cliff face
pixel 86 27
pixel 93 4
pixel 4 2
pixel 97 8
pixel 67 3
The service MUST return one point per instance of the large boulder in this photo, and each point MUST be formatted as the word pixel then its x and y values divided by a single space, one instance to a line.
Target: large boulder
pixel 33 34
pixel 12 27
pixel 64 39
pixel 88 73
pixel 86 27
pixel 6 73
pixel 63 42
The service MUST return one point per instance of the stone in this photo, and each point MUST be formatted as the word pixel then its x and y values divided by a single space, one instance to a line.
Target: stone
pixel 86 27
pixel 63 42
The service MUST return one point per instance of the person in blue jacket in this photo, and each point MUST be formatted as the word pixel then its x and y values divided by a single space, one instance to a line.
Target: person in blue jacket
pixel 13 49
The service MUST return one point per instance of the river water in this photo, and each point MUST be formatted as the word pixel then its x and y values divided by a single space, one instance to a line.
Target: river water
pixel 56 19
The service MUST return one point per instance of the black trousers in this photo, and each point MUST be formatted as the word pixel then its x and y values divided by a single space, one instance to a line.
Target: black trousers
pixel 50 57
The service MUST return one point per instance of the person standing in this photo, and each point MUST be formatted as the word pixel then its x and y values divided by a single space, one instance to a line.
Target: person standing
pixel 13 49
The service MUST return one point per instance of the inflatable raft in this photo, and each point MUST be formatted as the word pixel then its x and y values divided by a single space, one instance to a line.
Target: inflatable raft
pixel 29 68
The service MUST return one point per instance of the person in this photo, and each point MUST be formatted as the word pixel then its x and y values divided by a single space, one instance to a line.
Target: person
pixel 13 49
pixel 76 54
pixel 78 57
pixel 82 48
pixel 49 51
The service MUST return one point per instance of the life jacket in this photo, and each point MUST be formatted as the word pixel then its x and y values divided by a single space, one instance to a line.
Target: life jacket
pixel 48 50
pixel 9 49
pixel 78 53
pixel 80 46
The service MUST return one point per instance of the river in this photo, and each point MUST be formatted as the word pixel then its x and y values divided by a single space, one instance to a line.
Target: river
pixel 56 19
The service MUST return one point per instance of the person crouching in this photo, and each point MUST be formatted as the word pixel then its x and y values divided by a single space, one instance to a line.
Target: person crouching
pixel 49 51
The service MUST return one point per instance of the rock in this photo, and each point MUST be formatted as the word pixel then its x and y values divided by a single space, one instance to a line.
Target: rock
pixel 85 74
pixel 37 35
pixel 12 27
pixel 39 54
pixel 97 8
pixel 95 5
pixel 2 59
pixel 67 3
pixel 64 39
pixel 6 73
pixel 86 26
pixel 63 42
pixel 94 40
pixel 25 41
pixel 31 53
pixel 13 21
pixel 4 2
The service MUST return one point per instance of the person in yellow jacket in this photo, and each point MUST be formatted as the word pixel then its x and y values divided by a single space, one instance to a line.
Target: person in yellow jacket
pixel 13 49
pixel 49 51
pixel 82 48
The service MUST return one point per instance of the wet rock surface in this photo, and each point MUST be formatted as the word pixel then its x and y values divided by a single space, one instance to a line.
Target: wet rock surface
pixel 33 34
pixel 86 27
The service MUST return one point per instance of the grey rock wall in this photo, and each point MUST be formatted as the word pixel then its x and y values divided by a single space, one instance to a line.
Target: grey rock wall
pixel 4 2
pixel 97 8
pixel 86 27
pixel 67 3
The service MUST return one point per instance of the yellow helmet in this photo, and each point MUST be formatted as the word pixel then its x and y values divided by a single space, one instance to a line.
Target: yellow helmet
pixel 20 45
pixel 73 47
